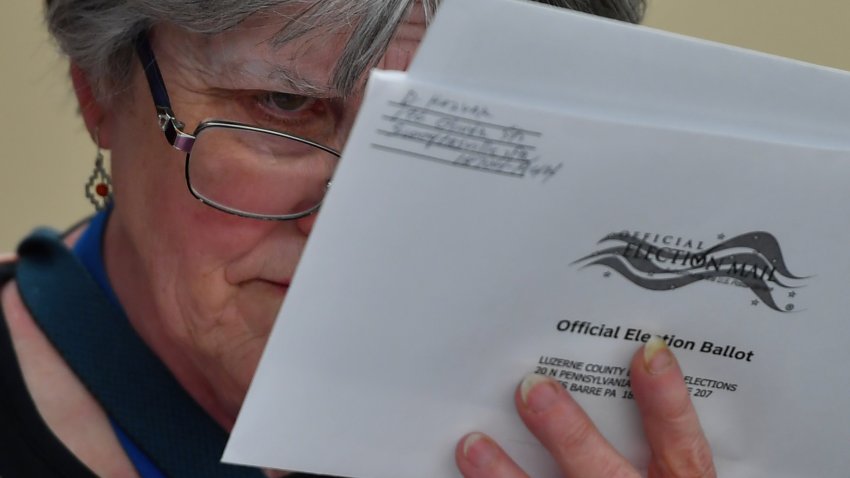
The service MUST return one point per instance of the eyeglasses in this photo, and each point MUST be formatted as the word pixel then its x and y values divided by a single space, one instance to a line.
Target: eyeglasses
pixel 242 169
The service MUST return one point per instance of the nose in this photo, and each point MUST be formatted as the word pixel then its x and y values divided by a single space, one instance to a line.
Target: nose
pixel 305 224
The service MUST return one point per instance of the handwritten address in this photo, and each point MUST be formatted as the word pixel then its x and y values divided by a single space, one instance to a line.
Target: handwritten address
pixel 460 133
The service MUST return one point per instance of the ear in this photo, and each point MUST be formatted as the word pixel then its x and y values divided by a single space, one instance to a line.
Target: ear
pixel 93 112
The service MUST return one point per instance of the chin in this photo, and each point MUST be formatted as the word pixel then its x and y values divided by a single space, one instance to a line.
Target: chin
pixel 259 302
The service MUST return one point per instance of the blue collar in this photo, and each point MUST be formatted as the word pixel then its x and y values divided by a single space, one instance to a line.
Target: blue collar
pixel 89 250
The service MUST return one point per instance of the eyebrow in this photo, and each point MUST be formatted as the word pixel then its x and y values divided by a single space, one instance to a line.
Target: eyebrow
pixel 297 83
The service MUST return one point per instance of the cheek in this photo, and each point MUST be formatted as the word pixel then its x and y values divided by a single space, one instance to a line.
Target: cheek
pixel 152 197
pixel 224 324
pixel 184 246
pixel 192 264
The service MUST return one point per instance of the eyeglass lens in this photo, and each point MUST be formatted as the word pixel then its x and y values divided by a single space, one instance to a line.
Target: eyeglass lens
pixel 258 173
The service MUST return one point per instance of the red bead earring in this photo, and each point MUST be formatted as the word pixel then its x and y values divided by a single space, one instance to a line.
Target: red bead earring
pixel 99 185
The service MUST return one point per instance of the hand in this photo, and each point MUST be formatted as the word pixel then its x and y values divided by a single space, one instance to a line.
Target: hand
pixel 678 445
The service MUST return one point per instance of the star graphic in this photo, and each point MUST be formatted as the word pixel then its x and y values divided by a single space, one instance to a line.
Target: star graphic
pixel 792 294
pixel 721 236
pixel 607 274
pixel 754 303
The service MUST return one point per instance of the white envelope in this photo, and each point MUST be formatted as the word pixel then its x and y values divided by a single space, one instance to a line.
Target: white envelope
pixel 568 61
pixel 472 237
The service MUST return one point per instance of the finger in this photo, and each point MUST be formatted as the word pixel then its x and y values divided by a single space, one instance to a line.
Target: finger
pixel 478 456
pixel 679 446
pixel 567 432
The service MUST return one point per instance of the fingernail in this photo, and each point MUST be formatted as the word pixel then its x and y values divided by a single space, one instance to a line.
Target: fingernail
pixel 478 450
pixel 656 356
pixel 538 392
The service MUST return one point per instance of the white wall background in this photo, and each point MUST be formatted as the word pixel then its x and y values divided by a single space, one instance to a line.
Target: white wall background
pixel 47 155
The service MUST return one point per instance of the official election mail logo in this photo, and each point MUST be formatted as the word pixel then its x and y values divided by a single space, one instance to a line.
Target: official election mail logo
pixel 664 262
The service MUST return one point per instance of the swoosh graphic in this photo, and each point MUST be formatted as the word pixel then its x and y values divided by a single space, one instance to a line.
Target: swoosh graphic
pixel 762 264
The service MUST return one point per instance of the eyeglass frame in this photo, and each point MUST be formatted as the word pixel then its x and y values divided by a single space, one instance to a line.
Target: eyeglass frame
pixel 182 141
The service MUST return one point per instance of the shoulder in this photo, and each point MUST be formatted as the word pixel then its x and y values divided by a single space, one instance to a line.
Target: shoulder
pixel 27 445
pixel 57 421
pixel 7 257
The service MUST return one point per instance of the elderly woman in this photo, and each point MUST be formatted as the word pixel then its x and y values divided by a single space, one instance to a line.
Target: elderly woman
pixel 127 345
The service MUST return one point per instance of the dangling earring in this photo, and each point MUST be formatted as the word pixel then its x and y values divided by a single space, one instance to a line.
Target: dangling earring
pixel 99 186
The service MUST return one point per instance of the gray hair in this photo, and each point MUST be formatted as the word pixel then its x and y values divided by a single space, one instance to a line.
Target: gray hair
pixel 99 35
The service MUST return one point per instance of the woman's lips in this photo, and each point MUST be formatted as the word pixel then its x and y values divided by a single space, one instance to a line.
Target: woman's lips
pixel 277 284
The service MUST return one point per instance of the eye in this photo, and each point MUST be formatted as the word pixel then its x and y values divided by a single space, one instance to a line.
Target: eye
pixel 308 116
pixel 287 102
